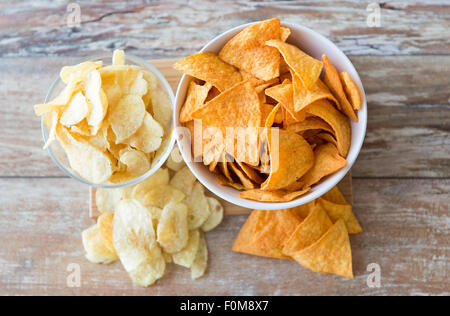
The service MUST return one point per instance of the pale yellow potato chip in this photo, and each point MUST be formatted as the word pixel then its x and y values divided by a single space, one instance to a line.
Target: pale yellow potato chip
pixel 200 263
pixel 136 161
pixel 216 215
pixel 118 57
pixel 59 102
pixel 139 86
pixel 175 161
pixel 107 199
pixel 197 203
pixel 184 180
pixel 127 117
pixel 162 195
pixel 162 150
pixel 152 85
pixel 98 100
pixel 78 72
pixel 159 178
pixel 148 137
pixel 76 110
pixel 105 226
pixel 162 108
pixel 156 214
pixel 173 232
pixel 52 119
pixel 95 247
pixel 149 270
pixel 167 257
pixel 187 256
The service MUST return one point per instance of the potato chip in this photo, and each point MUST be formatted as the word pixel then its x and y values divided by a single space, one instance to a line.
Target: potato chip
pixel 75 111
pixel 303 97
pixel 335 196
pixel 127 117
pixel 200 263
pixel 105 226
pixel 167 257
pixel 351 90
pixel 248 51
pixel 95 247
pixel 332 80
pixel 195 100
pixel 309 231
pixel 310 123
pixel 344 212
pixel 184 181
pixel 162 195
pixel 78 72
pixel 107 199
pixel 173 233
pixel 148 137
pixel 162 109
pixel 150 270
pixel 59 102
pixel 290 159
pixel 118 57
pixel 272 196
pixel 307 68
pixel 152 85
pixel 337 121
pixel 98 100
pixel 209 67
pixel 52 119
pixel 139 87
pixel 326 161
pixel 198 207
pixel 136 161
pixel 216 215
pixel 159 178
pixel 330 254
pixel 186 257
pixel 175 161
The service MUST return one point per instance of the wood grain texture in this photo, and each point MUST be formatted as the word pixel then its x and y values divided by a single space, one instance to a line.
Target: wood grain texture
pixel 408 131
pixel 170 28
pixel 406 225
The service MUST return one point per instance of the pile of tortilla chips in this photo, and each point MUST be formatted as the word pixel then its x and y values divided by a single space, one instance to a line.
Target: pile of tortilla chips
pixel 316 235
pixel 261 117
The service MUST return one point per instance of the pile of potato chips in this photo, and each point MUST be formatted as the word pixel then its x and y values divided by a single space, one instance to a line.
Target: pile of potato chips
pixel 268 124
pixel 112 121
pixel 316 234
pixel 158 221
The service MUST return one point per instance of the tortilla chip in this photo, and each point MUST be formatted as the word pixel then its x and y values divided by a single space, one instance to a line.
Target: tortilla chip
pixel 267 110
pixel 246 182
pixel 283 94
pixel 210 68
pixel 290 159
pixel 223 166
pixel 309 231
pixel 336 120
pixel 225 182
pixel 328 138
pixel 304 97
pixel 285 33
pixel 250 173
pixel 195 100
pixel 247 50
pixel 344 212
pixel 307 68
pixel 214 92
pixel 332 80
pixel 330 254
pixel 326 161
pixel 270 119
pixel 335 196
pixel 351 90
pixel 272 196
pixel 304 210
pixel 290 120
pixel 310 123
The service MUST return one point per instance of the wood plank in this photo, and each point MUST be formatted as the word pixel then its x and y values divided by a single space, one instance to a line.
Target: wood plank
pixel 406 225
pixel 171 28
pixel 409 115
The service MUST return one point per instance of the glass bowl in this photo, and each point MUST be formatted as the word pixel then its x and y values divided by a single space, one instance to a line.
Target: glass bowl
pixel 58 154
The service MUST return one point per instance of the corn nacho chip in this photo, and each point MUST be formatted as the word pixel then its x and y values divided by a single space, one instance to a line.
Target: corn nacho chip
pixel 335 196
pixel 195 100
pixel 267 110
pixel 344 212
pixel 247 50
pixel 283 94
pixel 285 33
pixel 245 180
pixel 250 173
pixel 330 254
pixel 351 90
pixel 337 121
pixel 310 123
pixel 307 68
pixel 210 68
pixel 303 97
pixel 332 80
pixel 173 230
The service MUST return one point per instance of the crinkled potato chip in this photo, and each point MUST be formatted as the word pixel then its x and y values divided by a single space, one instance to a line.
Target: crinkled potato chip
pixel 337 121
pixel 326 161
pixel 198 207
pixel 175 161
pixel 59 102
pixel 136 161
pixel 248 51
pixel 272 196
pixel 184 181
pixel 332 80
pixel 148 137
pixel 95 247
pixel 200 263
pixel 209 67
pixel 290 159
pixel 351 90
pixel 330 254
pixel 75 111
pixel 186 257
pixel 127 117
pixel 344 212
pixel 173 233
pixel 105 226
pixel 195 100
pixel 159 178
pixel 216 215
pixel 307 68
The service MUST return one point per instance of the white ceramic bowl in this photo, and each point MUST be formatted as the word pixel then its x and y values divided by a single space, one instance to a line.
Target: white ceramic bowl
pixel 58 154
pixel 315 45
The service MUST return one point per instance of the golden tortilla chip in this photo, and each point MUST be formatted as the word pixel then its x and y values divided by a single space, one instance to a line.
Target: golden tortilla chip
pixel 285 33
pixel 270 119
pixel 304 97
pixel 272 196
pixel 210 68
pixel 290 159
pixel 337 121
pixel 283 94
pixel 326 161
pixel 310 123
pixel 267 110
pixel 335 196
pixel 307 68
pixel 328 138
pixel 248 184
pixel 289 119
pixel 304 210
pixel 225 182
pixel 330 254
pixel 332 80
pixel 309 231
pixel 344 212
pixel 248 51
pixel 250 173
pixel 195 100
pixel 351 90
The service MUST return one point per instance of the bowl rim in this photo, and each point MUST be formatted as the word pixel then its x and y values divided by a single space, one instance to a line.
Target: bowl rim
pixel 331 180
pixel 171 134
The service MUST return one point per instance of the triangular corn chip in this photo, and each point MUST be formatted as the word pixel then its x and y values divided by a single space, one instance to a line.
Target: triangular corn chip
pixel 351 90
pixel 344 212
pixel 304 96
pixel 310 123
pixel 335 196
pixel 195 99
pixel 272 196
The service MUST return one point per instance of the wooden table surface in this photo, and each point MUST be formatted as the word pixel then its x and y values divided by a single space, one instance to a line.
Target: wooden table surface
pixel 401 180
